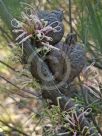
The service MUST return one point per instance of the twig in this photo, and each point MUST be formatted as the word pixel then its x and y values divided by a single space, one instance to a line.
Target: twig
pixel 70 16
pixel 13 128
pixel 91 115
pixel 96 64
pixel 81 87
pixel 8 66
pixel 6 33
pixel 24 90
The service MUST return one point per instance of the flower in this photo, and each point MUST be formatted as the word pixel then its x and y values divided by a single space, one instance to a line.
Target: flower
pixel 91 81
pixel 32 26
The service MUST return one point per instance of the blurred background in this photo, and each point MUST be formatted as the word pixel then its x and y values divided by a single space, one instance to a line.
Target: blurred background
pixel 20 112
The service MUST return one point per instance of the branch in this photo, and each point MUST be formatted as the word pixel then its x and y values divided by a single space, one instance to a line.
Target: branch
pixel 24 90
pixel 70 16
pixel 13 128
pixel 8 66
pixel 5 33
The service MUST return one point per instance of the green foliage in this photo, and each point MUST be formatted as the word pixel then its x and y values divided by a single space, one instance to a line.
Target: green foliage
pixel 10 9
pixel 90 25
pixel 14 7
pixel 70 121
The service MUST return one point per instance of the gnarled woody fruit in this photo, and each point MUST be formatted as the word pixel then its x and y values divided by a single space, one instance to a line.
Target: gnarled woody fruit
pixel 57 64
pixel 52 18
